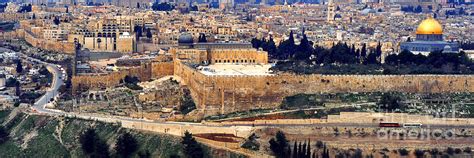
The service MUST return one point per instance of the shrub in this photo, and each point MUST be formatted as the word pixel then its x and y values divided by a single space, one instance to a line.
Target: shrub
pixel 126 145
pixel 467 150
pixel 251 143
pixel 450 151
pixel 3 135
pixel 419 153
pixel 403 152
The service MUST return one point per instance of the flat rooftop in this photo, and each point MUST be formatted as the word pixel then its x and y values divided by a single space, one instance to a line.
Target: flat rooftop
pixel 236 70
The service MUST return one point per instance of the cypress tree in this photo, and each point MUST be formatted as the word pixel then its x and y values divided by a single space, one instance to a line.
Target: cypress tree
pixel 363 53
pixel 299 150
pixel 295 150
pixel 289 151
pixel 303 151
pixel 308 151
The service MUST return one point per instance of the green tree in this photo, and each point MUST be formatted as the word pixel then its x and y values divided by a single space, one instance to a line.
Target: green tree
pixel 192 148
pixel 403 152
pixel 300 150
pixel 3 135
pixel 202 38
pixel 162 6
pixel 138 31
pixel 325 153
pixel 19 66
pixel 467 150
pixel 434 152
pixel 419 153
pixel 87 140
pixel 56 21
pixel 295 150
pixel 251 143
pixel 126 145
pixel 308 151
pixel 279 145
pixel 418 9
pixel 186 102
pixel 363 53
pixel 287 48
pixel 92 145
pixel 149 35
pixel 101 149
pixel 305 49
pixel 390 102
pixel 145 154
pixel 357 153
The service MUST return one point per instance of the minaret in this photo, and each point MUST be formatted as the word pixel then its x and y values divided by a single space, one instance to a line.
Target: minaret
pixel 331 12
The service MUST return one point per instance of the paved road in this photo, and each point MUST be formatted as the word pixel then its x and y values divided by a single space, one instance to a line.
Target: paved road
pixel 52 92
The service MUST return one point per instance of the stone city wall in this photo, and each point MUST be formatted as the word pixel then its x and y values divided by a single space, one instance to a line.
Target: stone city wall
pixel 144 72
pixel 97 81
pixel 226 94
pixel 11 35
pixel 161 69
pixel 13 16
pixel 56 46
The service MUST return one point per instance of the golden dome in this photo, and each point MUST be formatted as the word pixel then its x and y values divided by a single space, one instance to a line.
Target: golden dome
pixel 429 27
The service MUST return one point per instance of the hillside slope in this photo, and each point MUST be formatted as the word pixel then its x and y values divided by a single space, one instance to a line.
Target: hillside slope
pixel 45 136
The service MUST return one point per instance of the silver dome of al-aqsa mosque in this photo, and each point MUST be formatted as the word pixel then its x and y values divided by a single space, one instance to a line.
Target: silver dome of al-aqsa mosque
pixel 185 38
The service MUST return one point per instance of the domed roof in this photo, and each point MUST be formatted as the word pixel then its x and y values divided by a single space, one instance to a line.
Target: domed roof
pixel 185 38
pixel 429 27
pixel 447 48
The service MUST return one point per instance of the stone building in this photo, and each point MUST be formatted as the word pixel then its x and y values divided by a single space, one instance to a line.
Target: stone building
pixel 217 53
pixel 109 35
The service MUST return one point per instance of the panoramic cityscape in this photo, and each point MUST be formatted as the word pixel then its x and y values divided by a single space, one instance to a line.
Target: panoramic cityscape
pixel 237 78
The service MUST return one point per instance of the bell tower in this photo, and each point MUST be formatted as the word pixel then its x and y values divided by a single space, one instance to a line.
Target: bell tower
pixel 331 11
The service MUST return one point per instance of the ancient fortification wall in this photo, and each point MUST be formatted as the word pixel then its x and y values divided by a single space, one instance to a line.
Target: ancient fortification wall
pixel 95 81
pixel 225 94
pixel 161 69
pixel 65 47
pixel 144 72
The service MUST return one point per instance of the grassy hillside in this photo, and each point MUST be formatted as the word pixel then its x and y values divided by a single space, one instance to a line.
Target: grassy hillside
pixel 44 136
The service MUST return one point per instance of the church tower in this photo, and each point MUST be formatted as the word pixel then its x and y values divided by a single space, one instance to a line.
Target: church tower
pixel 331 11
